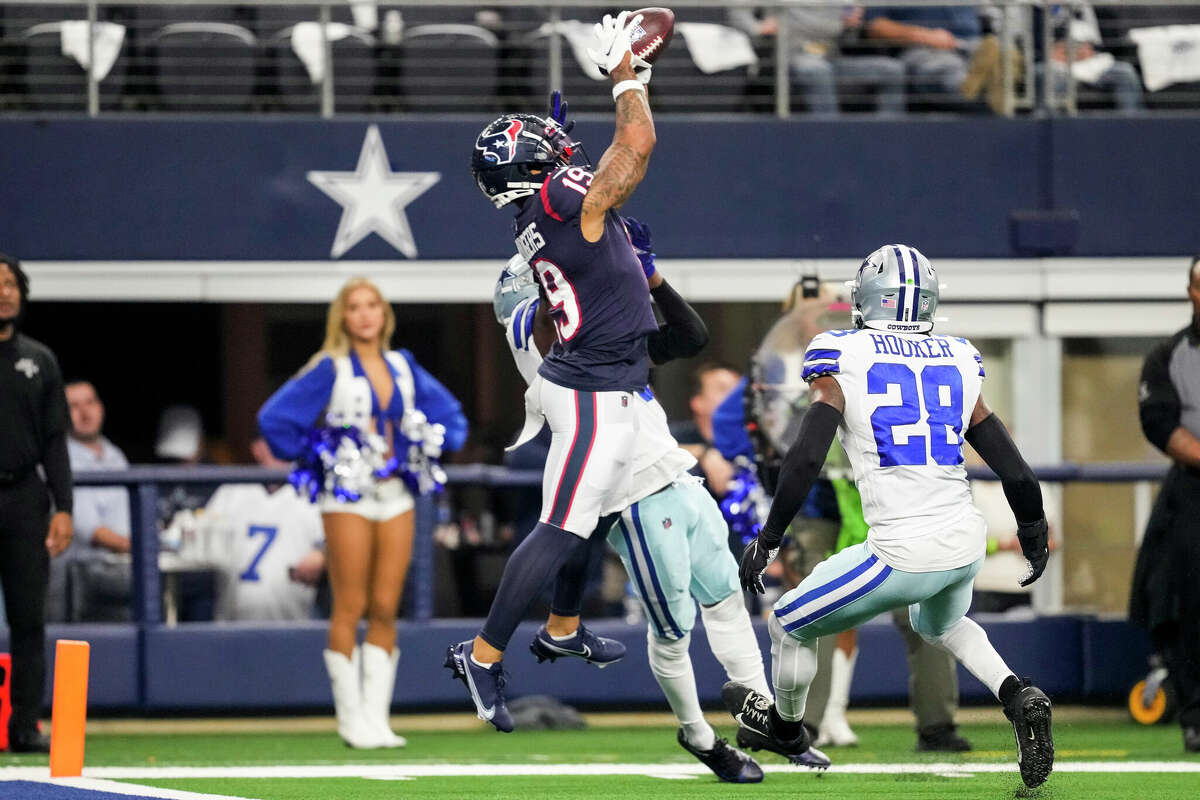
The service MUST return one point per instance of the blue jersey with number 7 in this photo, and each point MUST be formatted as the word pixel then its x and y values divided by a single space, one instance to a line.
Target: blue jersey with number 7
pixel 909 399
pixel 598 296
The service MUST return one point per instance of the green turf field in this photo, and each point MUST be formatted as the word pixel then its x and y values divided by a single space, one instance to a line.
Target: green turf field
pixel 1094 759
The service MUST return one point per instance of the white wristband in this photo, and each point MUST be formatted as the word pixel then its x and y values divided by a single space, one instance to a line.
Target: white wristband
pixel 625 86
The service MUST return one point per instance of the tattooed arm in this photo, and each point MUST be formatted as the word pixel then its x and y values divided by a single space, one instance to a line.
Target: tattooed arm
pixel 623 164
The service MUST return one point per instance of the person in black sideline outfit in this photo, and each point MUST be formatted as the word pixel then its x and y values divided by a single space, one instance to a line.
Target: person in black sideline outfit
pixel 1165 598
pixel 33 432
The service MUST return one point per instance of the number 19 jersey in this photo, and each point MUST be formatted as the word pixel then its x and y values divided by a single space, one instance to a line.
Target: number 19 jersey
pixel 909 399
pixel 599 299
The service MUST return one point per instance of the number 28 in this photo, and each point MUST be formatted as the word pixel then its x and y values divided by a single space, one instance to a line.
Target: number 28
pixel 942 390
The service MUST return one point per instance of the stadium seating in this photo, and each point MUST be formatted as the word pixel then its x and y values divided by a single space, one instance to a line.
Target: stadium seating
pixel 227 53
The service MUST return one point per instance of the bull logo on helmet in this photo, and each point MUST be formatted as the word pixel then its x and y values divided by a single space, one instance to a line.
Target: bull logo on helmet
pixel 500 146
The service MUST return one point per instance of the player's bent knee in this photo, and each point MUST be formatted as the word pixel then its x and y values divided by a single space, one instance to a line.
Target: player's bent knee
pixel 668 657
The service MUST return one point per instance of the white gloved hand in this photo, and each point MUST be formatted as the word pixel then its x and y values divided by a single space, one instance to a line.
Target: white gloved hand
pixel 614 38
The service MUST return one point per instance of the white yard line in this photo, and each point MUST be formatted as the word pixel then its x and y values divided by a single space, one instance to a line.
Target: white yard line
pixel 399 771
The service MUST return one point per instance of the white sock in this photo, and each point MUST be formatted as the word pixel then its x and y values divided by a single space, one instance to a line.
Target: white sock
pixel 570 635
pixel 672 668
pixel 968 642
pixel 479 663
pixel 731 639
pixel 793 667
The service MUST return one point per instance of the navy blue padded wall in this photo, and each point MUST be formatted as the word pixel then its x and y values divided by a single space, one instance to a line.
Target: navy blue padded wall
pixel 245 666
pixel 112 665
pixel 751 188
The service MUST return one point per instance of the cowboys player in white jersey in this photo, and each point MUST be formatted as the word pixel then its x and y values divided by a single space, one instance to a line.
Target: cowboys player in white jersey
pixel 901 400
pixel 671 536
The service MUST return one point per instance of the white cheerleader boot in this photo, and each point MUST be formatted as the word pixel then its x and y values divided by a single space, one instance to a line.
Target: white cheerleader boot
pixel 835 730
pixel 348 701
pixel 379 677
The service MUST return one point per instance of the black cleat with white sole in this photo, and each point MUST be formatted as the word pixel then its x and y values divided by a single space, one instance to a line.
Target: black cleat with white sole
pixel 1029 712
pixel 753 714
pixel 485 683
pixel 727 763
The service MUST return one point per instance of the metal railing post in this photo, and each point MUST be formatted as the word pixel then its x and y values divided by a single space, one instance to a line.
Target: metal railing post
pixel 1049 98
pixel 147 589
pixel 1029 95
pixel 422 580
pixel 783 88
pixel 93 85
pixel 1006 72
pixel 327 54
pixel 556 51
pixel 1071 105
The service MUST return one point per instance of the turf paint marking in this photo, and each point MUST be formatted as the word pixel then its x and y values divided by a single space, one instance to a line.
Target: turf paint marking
pixel 110 788
pixel 407 771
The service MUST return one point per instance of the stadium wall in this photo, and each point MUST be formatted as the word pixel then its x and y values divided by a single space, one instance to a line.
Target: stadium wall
pixel 256 667
pixel 162 190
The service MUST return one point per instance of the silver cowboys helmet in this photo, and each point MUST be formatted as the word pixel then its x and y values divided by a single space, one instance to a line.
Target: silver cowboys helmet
pixel 515 285
pixel 895 289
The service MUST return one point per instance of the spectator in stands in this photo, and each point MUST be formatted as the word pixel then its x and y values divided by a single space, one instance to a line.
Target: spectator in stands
pixel 818 66
pixel 1165 597
pixel 356 405
pixel 270 542
pixel 1089 64
pixel 92 581
pixel 936 43
pixel 711 382
pixel 180 441
pixel 33 432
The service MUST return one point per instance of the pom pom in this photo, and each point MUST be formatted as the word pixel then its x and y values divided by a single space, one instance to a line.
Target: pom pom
pixel 745 504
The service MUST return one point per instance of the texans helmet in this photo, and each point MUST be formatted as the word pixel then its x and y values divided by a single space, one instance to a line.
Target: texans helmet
pixel 895 289
pixel 514 154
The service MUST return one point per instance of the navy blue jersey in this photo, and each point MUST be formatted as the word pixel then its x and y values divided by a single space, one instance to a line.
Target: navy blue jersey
pixel 598 295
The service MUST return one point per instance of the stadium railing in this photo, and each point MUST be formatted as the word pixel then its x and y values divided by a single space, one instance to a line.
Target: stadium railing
pixel 403 56
pixel 146 482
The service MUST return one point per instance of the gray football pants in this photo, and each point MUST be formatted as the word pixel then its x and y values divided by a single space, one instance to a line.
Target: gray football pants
pixel 932 672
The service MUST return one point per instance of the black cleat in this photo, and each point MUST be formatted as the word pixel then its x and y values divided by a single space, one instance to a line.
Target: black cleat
pixel 941 739
pixel 1029 712
pixel 727 763
pixel 753 714
pixel 28 741
pixel 1191 739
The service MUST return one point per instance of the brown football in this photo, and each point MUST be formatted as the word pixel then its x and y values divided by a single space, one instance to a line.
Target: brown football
pixel 654 33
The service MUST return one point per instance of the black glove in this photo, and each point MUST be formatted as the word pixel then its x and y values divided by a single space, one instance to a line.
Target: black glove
pixel 1035 544
pixel 755 560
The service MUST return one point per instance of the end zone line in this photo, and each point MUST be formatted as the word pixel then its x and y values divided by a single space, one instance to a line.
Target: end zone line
pixel 502 770
pixel 134 790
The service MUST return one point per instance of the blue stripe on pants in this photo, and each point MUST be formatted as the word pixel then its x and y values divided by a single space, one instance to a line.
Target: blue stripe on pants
pixel 862 591
pixel 836 583
pixel 637 577
pixel 581 448
pixel 658 592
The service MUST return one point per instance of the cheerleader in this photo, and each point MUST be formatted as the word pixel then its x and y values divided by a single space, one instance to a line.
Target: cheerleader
pixel 366 426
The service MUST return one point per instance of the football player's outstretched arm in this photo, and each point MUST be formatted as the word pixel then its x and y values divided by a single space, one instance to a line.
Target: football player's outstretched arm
pixel 800 468
pixel 806 456
pixel 623 164
pixel 991 440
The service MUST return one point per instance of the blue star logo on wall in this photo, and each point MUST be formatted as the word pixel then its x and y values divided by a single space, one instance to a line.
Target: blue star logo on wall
pixel 373 198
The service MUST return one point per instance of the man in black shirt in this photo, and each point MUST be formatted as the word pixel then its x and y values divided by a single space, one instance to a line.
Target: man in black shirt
pixel 1165 598
pixel 33 430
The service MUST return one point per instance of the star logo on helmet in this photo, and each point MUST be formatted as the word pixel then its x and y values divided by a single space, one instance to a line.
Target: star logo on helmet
pixel 373 198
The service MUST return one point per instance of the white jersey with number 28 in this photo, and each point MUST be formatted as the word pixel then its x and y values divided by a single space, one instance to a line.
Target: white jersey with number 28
pixel 909 399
